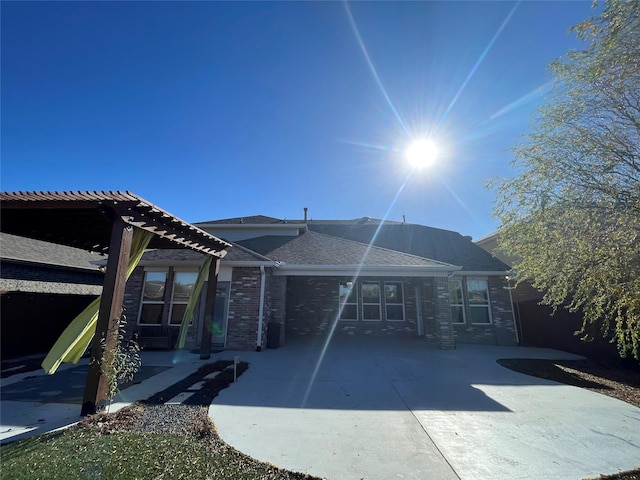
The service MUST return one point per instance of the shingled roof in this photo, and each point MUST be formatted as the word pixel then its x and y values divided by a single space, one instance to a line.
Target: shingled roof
pixel 236 254
pixel 441 245
pixel 30 265
pixel 28 250
pixel 313 248
pixel 251 220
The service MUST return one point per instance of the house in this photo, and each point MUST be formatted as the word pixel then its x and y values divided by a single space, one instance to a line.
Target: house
pixel 311 278
pixel 45 283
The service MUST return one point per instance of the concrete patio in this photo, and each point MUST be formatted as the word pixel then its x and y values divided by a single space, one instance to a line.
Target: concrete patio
pixel 372 409
pixel 382 409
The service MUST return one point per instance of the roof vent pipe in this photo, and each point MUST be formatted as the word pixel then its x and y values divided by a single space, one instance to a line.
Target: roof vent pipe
pixel 305 214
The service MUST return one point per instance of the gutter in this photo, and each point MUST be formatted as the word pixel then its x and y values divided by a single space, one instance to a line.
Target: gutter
pixel 368 270
pixel 484 273
pixel 261 309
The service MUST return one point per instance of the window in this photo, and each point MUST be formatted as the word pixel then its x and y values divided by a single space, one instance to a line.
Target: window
pixel 478 294
pixel 394 301
pixel 348 301
pixel 183 285
pixel 152 298
pixel 456 297
pixel 370 293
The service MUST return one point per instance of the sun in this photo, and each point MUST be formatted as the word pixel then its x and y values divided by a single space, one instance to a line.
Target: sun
pixel 422 153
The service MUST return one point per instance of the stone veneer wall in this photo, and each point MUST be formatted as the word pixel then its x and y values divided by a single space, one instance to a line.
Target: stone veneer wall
pixel 312 309
pixel 502 330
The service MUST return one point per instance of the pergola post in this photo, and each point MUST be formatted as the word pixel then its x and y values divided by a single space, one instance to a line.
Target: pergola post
pixel 209 309
pixel 111 304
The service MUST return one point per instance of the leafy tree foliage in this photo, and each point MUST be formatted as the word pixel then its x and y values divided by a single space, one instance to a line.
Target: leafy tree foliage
pixel 571 216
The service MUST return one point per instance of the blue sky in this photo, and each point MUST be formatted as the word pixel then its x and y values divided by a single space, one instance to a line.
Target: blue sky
pixel 222 109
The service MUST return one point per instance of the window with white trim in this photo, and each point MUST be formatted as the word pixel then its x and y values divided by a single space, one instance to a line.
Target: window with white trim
pixel 394 301
pixel 456 298
pixel 348 300
pixel 152 298
pixel 371 306
pixel 478 296
pixel 183 285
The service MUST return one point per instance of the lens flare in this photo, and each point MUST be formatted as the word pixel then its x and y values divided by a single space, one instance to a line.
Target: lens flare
pixel 422 153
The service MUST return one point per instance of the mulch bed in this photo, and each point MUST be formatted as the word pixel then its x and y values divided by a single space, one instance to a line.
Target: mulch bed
pixel 606 377
pixel 129 418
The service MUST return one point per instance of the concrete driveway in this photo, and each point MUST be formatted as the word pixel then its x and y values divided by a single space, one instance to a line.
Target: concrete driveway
pixel 402 409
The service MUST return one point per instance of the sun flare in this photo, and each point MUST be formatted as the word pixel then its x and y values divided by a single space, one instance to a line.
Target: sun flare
pixel 422 153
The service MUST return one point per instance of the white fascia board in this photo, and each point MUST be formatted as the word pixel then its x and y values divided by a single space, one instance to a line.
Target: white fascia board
pixel 366 270
pixel 195 263
pixel 482 273
pixel 256 263
pixel 169 263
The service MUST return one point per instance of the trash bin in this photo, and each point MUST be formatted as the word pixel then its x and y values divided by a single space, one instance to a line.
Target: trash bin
pixel 273 335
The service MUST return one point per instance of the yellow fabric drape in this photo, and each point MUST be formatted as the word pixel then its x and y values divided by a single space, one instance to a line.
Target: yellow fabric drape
pixel 203 273
pixel 75 339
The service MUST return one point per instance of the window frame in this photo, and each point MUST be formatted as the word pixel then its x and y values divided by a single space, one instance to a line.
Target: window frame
pixel 144 302
pixel 400 284
pixel 173 302
pixel 364 304
pixel 353 295
pixel 463 297
pixel 476 305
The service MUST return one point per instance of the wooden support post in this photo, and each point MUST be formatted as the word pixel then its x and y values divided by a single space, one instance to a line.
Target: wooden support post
pixel 209 309
pixel 97 386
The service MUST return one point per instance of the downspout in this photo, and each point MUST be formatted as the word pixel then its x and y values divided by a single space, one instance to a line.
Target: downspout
pixel 513 313
pixel 261 309
pixel 419 319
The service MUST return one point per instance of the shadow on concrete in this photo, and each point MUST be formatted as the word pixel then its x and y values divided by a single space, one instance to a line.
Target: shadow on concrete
pixel 378 374
pixel 64 386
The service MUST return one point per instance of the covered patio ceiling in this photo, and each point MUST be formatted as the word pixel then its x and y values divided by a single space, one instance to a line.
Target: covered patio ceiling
pixel 85 219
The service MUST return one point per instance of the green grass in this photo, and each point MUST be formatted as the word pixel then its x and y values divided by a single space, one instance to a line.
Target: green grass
pixel 85 453
pixel 108 446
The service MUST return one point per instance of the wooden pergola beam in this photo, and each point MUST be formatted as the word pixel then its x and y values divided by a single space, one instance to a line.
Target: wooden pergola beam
pixel 209 310
pixel 105 340
pixel 104 222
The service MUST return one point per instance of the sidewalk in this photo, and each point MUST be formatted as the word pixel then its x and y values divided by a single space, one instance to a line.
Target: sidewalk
pixel 34 403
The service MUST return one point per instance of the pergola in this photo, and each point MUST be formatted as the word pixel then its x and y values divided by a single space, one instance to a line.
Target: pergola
pixel 103 222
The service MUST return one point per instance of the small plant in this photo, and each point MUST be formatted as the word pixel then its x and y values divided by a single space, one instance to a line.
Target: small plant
pixel 125 362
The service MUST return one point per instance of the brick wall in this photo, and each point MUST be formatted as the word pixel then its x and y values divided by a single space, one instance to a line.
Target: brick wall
pixel 133 298
pixel 243 309
pixel 501 331
pixel 502 311
pixel 133 295
pixel 442 309
pixel 312 309
pixel 428 309
pixel 275 308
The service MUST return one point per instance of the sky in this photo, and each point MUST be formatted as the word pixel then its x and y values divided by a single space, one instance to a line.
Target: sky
pixel 213 110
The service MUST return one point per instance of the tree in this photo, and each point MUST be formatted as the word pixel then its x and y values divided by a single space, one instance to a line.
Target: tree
pixel 571 216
